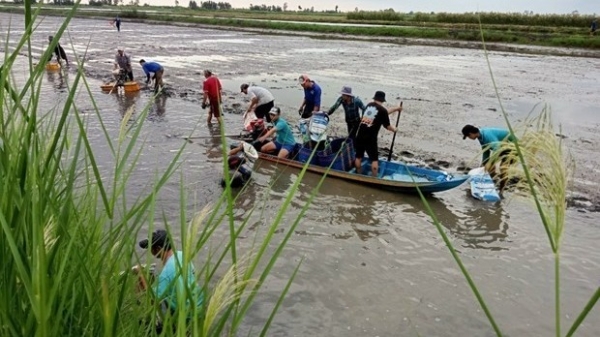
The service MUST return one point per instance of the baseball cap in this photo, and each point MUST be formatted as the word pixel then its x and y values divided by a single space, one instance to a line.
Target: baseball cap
pixel 160 239
pixel 275 111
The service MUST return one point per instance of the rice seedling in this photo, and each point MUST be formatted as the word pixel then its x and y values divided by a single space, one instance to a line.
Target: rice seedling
pixel 68 226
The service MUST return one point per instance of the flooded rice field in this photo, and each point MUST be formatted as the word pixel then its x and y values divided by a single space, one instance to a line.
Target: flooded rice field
pixel 374 265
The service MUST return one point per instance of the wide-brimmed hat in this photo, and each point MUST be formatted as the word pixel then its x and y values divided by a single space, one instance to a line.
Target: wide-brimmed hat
pixel 379 96
pixel 160 239
pixel 346 91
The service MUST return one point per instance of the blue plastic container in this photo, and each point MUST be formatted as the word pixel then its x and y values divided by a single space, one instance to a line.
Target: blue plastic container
pixel 344 161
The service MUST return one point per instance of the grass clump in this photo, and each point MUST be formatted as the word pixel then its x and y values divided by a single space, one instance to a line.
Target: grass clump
pixel 69 226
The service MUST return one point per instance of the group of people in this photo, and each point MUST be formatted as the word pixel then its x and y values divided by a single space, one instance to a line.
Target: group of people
pixel 363 121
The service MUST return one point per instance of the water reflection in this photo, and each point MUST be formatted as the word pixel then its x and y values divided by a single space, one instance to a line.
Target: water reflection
pixel 477 224
pixel 212 143
pixel 58 80
pixel 126 101
pixel 158 109
pixel 351 210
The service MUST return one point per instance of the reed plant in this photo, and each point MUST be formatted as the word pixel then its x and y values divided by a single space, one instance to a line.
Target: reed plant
pixel 544 170
pixel 69 225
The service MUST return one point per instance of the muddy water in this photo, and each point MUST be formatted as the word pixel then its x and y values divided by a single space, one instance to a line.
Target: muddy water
pixel 373 264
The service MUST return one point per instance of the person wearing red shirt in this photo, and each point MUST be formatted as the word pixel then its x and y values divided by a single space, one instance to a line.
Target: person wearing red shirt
pixel 212 92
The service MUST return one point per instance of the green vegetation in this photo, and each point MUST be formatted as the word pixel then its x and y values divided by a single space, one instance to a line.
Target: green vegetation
pixel 512 28
pixel 550 20
pixel 69 226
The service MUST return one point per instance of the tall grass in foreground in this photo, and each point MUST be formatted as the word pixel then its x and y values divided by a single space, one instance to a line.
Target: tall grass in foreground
pixel 545 173
pixel 69 227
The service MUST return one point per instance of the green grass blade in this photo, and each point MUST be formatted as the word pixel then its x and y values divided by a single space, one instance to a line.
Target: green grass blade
pixel 279 301
pixel 586 310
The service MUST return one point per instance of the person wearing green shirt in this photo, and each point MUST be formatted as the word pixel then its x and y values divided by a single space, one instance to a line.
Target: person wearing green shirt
pixel 491 140
pixel 284 142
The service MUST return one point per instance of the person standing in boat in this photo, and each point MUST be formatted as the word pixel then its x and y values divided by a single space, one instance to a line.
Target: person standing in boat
pixel 212 92
pixel 123 61
pixel 261 100
pixel 284 142
pixel 157 69
pixel 353 108
pixel 491 140
pixel 58 51
pixel 374 116
pixel 312 97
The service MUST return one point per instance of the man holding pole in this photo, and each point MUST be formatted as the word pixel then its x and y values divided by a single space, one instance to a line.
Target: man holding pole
pixel 375 116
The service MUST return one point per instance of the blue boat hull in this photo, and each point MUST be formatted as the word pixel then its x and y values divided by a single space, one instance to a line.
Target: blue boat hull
pixel 393 176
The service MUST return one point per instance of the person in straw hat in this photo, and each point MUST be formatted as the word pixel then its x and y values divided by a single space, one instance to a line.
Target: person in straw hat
pixel 353 108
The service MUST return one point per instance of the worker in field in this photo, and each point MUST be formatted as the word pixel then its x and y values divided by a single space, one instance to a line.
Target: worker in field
pixel 58 51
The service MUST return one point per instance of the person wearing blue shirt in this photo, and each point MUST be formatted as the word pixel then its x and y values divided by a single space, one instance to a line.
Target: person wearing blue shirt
pixel 491 140
pixel 284 141
pixel 157 69
pixel 312 97
pixel 593 27
pixel 174 287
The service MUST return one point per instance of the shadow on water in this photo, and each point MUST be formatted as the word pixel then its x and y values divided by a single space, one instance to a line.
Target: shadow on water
pixel 354 210
pixel 126 101
pixel 58 80
pixel 158 109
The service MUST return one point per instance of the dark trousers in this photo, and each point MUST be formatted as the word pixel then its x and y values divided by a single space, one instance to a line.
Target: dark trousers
pixel 353 129
pixel 308 110
pixel 262 111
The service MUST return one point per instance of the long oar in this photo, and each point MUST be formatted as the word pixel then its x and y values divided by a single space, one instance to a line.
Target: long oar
pixel 394 137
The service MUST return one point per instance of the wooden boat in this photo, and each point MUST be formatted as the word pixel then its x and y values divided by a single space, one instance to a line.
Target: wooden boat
pixel 130 86
pixel 393 176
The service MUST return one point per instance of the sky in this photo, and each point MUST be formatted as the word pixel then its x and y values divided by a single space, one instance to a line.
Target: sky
pixel 457 6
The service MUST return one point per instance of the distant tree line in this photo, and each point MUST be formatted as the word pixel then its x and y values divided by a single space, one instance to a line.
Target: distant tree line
pixel 209 5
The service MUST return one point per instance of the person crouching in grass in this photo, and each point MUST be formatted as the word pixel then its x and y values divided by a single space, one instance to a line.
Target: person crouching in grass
pixel 170 282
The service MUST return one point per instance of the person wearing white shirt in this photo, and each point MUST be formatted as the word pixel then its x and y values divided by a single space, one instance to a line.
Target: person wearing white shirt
pixel 261 100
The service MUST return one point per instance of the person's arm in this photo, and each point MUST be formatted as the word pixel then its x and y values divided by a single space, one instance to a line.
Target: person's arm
pixel 360 105
pixel 147 73
pixel 204 98
pixel 317 98
pixel 392 110
pixel 335 106
pixel 268 134
pixel 253 103
pixel 391 128
pixel 302 105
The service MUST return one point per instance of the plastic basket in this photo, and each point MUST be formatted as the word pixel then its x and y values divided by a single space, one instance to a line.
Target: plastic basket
pixel 344 161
